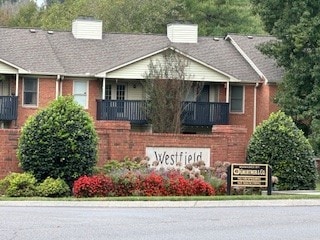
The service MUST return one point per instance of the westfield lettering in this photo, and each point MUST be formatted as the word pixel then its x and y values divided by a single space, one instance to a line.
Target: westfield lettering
pixel 177 157
pixel 171 157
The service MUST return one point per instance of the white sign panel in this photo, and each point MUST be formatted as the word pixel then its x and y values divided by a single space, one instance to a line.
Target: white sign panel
pixel 168 157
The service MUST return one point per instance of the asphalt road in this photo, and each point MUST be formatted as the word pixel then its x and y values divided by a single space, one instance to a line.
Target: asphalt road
pixel 49 221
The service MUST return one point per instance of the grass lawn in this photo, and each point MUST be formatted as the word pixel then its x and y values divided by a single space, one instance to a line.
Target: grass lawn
pixel 169 198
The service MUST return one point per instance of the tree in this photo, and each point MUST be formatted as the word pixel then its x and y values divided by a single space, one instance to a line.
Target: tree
pixel 167 85
pixel 59 142
pixel 214 17
pixel 278 142
pixel 219 17
pixel 28 15
pixel 296 24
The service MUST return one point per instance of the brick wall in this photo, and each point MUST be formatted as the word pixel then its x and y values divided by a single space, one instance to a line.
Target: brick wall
pixel 116 141
pixel 8 149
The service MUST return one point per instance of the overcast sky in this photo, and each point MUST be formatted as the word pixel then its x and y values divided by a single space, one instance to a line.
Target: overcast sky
pixel 40 2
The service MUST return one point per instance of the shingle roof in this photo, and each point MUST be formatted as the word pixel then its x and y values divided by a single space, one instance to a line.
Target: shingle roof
pixel 61 53
pixel 265 64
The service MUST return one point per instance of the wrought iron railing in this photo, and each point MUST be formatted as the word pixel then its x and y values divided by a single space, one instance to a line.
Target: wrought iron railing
pixel 8 108
pixel 205 113
pixel 129 110
pixel 193 113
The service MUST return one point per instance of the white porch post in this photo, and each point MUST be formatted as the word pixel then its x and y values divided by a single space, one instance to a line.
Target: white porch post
pixel 17 84
pixel 104 88
pixel 227 91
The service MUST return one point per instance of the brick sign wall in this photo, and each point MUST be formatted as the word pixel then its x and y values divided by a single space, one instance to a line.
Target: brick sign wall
pixel 116 141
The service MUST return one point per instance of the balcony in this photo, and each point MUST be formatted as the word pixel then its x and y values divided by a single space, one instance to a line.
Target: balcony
pixel 8 108
pixel 205 113
pixel 122 110
pixel 194 113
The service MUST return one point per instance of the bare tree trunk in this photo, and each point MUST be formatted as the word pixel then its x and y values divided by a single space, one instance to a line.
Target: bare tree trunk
pixel 167 86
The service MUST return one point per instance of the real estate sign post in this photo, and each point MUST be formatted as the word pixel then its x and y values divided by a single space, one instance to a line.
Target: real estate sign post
pixel 249 175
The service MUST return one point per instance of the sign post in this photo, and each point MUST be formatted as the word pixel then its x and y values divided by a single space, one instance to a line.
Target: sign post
pixel 249 175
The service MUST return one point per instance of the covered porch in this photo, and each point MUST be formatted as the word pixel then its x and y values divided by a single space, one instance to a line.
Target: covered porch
pixel 8 98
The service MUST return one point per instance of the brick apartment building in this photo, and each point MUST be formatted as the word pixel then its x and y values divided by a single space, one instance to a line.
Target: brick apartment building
pixel 103 71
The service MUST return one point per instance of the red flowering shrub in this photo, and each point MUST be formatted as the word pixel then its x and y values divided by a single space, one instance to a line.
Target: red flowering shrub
pixel 177 185
pixel 202 188
pixel 126 184
pixel 222 190
pixel 129 183
pixel 152 185
pixel 94 186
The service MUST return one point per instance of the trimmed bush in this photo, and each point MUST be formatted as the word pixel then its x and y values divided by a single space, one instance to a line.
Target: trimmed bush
pixel 177 184
pixel 18 185
pixel 152 185
pixel 59 142
pixel 201 188
pixel 53 188
pixel 278 142
pixel 93 186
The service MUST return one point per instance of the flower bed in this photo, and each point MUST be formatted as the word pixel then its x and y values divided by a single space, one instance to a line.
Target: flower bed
pixel 133 183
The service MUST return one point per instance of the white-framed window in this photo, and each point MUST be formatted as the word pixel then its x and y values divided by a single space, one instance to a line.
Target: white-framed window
pixel 30 91
pixel 116 92
pixel 237 99
pixel 80 92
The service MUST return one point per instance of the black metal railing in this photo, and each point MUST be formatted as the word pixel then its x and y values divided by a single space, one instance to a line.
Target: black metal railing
pixel 8 108
pixel 205 113
pixel 194 113
pixel 129 110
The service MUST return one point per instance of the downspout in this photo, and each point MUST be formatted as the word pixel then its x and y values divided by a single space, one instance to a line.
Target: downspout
pixel 60 85
pixel 57 86
pixel 255 106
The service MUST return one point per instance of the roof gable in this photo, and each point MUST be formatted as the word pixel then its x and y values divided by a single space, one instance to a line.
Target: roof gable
pixel 194 70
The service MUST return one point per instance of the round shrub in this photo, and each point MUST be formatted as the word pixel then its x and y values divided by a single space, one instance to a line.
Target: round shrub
pixel 59 142
pixel 53 188
pixel 19 185
pixel 278 142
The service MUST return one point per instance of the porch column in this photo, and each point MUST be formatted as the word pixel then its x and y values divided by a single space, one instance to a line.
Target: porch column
pixel 227 91
pixel 17 84
pixel 104 88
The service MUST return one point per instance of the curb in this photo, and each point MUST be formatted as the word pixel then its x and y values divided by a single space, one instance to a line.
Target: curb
pixel 164 204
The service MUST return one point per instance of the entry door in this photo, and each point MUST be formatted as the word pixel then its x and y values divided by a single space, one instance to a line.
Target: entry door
pixel 4 87
pixel 204 94
pixel 80 92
